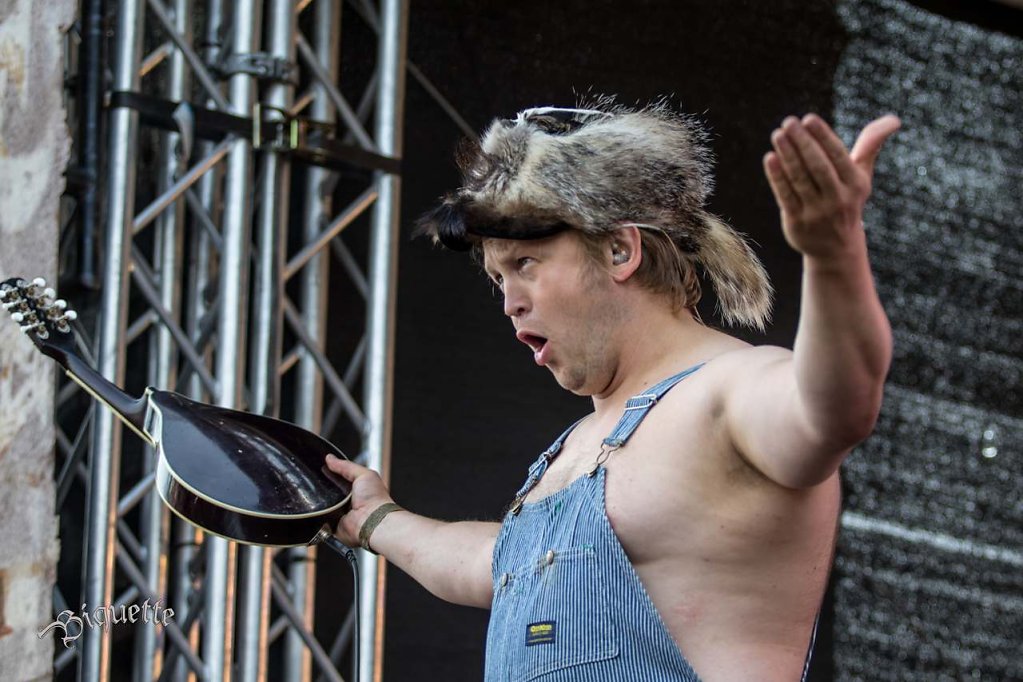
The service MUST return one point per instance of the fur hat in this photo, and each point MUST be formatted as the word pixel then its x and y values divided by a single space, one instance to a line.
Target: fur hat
pixel 596 169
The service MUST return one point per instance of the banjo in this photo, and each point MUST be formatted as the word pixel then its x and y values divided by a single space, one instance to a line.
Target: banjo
pixel 245 477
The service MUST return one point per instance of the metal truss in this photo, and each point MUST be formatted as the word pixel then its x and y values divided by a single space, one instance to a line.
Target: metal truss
pixel 219 244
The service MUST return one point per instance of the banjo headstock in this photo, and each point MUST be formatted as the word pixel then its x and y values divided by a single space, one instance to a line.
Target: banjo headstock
pixel 45 318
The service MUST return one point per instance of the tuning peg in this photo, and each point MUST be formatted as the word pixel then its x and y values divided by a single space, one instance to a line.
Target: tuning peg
pixel 39 282
pixel 63 322
pixel 29 322
pixel 60 304
pixel 4 292
pixel 38 295
pixel 12 304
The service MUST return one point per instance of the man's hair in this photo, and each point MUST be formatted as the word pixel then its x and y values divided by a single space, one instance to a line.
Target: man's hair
pixel 664 269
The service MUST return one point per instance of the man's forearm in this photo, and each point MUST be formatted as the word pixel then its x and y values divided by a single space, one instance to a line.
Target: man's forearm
pixel 451 560
pixel 843 347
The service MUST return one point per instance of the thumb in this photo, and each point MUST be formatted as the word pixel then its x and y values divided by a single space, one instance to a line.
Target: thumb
pixel 347 468
pixel 868 144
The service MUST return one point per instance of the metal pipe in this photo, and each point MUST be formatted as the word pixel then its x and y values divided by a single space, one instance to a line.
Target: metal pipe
pixel 300 595
pixel 184 646
pixel 94 663
pixel 317 209
pixel 138 491
pixel 126 538
pixel 174 632
pixel 183 553
pixel 198 68
pixel 90 104
pixel 154 521
pixel 355 365
pixel 140 326
pixel 297 663
pixel 218 615
pixel 156 57
pixel 253 612
pixel 174 192
pixel 329 373
pixel 342 640
pixel 383 271
pixel 279 627
pixel 73 453
pixel 366 11
pixel 144 280
pixel 290 359
pixel 315 242
pixel 351 120
pixel 202 216
pixel 351 266
pixel 271 220
pixel 203 334
pixel 284 603
pixel 188 597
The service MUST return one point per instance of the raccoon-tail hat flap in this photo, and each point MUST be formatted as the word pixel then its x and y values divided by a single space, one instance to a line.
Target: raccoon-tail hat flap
pixel 594 169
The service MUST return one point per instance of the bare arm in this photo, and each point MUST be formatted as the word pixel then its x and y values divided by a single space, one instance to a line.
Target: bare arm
pixel 451 560
pixel 796 415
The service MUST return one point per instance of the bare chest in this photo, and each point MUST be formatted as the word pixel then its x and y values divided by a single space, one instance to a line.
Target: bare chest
pixel 660 479
pixel 723 555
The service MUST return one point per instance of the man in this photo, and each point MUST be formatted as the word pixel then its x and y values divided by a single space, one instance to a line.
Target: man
pixel 685 528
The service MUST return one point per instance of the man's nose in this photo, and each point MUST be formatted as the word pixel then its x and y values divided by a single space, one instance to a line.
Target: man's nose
pixel 516 303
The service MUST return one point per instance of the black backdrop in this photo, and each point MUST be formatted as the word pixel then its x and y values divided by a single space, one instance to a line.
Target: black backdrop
pixel 471 409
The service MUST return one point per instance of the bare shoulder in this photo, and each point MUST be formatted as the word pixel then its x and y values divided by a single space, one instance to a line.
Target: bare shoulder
pixel 735 365
pixel 742 359
pixel 697 423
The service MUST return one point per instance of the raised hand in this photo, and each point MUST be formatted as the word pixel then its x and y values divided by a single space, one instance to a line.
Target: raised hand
pixel 821 187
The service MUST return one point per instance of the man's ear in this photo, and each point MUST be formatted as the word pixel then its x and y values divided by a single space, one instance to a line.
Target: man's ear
pixel 625 252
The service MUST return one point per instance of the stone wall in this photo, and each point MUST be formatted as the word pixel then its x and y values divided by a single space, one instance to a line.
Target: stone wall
pixel 34 149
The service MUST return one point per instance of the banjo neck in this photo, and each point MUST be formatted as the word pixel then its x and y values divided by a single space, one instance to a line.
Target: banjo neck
pixel 46 320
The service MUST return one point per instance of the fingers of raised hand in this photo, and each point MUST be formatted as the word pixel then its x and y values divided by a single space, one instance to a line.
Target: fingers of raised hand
pixel 792 164
pixel 784 194
pixel 832 146
pixel 807 159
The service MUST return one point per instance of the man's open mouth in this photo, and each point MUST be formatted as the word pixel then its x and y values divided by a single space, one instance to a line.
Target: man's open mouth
pixel 534 341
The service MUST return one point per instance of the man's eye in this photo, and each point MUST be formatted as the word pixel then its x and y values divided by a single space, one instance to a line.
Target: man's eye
pixel 522 262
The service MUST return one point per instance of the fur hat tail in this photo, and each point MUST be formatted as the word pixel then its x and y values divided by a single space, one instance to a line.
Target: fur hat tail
pixel 739 279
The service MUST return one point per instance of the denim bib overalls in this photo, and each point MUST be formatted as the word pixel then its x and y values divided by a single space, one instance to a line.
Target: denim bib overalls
pixel 568 605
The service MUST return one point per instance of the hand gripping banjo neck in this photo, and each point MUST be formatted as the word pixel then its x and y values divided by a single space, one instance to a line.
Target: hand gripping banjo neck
pixel 243 476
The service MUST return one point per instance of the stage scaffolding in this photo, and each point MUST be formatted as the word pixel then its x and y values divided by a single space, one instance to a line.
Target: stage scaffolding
pixel 228 137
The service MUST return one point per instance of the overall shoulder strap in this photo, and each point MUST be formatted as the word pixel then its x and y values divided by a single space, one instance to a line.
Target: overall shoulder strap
pixel 636 408
pixel 539 467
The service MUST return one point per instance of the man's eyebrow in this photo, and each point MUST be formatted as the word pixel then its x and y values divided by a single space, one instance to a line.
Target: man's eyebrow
pixel 500 260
